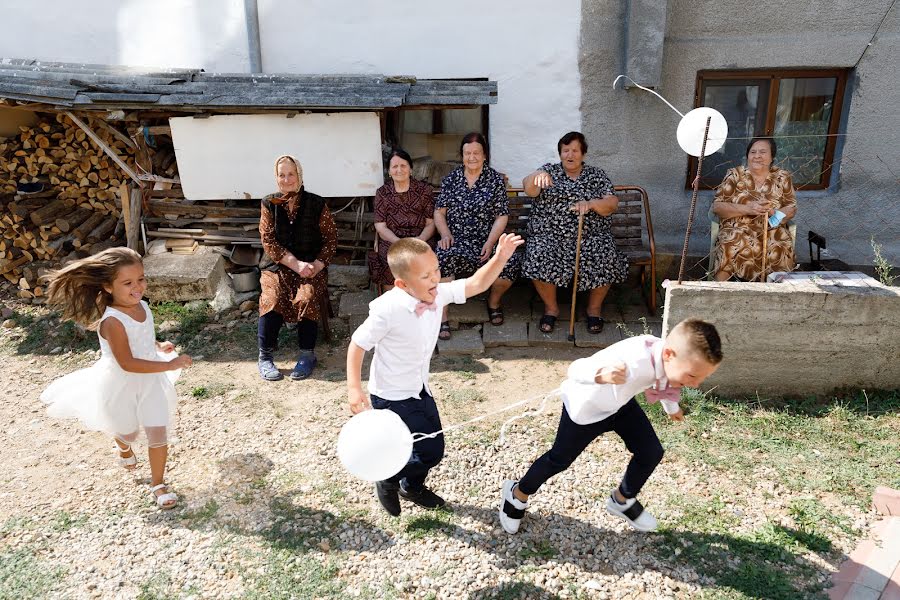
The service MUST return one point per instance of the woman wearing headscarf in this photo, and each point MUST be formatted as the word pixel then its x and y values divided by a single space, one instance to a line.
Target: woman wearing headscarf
pixel 299 236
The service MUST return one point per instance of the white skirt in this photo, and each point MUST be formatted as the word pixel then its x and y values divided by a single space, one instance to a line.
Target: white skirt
pixel 106 398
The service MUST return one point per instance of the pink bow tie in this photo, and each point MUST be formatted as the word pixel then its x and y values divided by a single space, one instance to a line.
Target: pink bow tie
pixel 654 395
pixel 421 307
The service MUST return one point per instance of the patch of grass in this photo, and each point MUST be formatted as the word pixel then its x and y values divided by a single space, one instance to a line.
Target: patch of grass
pixel 515 590
pixel 839 445
pixel 466 375
pixel 211 390
pixel 157 587
pixel 200 392
pixel 465 396
pixel 287 576
pixel 542 549
pixel 438 522
pixel 44 332
pixel 64 521
pixel 203 515
pixel 190 319
pixel 24 576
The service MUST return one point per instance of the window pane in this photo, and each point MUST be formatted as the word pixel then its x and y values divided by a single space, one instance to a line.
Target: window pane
pixel 801 122
pixel 743 104
pixel 462 120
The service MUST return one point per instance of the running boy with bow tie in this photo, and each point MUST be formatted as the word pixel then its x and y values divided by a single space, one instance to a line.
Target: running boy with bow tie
pixel 599 396
pixel 402 327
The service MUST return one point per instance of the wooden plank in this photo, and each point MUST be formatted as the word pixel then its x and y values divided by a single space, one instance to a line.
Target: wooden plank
pixel 109 151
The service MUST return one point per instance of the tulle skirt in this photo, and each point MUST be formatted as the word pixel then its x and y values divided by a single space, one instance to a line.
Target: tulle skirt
pixel 131 407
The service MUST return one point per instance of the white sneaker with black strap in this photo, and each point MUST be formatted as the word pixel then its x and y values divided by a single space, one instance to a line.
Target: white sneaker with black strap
pixel 511 508
pixel 633 513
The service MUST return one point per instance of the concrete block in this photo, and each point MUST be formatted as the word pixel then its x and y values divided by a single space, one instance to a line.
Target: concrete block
pixel 836 336
pixel 886 501
pixel 348 276
pixel 511 333
pixel 355 303
pixel 474 311
pixel 184 276
pixel 462 342
pixel 558 338
pixel 610 335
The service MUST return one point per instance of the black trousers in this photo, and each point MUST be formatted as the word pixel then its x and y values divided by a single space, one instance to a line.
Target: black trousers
pixel 629 422
pixel 270 324
pixel 421 416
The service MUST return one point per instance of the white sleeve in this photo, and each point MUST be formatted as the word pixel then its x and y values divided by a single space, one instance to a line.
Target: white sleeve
pixel 451 292
pixel 584 370
pixel 373 329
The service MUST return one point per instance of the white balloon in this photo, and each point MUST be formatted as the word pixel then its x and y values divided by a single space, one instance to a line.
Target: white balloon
pixel 691 128
pixel 374 444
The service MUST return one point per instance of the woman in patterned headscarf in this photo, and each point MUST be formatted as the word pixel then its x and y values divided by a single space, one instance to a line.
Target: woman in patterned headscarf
pixel 745 199
pixel 299 236
pixel 404 207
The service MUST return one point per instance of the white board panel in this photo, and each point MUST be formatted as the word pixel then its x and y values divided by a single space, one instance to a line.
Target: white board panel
pixel 229 155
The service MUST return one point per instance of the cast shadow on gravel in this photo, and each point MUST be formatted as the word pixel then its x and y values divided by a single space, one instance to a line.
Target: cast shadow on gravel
pixel 759 566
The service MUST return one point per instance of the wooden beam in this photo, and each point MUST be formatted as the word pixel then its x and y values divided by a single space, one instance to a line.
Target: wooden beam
pixel 109 151
pixel 116 133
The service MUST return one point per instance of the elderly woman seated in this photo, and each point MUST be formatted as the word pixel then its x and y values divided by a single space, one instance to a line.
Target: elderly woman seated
pixel 561 192
pixel 749 201
pixel 299 237
pixel 404 207
pixel 470 215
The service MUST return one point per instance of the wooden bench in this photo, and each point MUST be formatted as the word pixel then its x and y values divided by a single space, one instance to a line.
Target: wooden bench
pixel 627 227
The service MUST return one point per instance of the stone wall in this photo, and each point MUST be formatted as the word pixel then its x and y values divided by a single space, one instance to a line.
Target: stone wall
pixel 796 338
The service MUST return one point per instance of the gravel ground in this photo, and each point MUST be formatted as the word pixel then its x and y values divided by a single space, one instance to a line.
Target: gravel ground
pixel 266 510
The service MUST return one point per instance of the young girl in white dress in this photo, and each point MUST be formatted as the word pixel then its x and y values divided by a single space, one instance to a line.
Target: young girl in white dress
pixel 132 385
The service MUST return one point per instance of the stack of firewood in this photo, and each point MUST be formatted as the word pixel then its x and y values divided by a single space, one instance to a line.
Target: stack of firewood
pixel 76 207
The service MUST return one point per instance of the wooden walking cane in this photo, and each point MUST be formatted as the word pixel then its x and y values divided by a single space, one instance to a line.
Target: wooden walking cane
pixel 575 281
pixel 687 232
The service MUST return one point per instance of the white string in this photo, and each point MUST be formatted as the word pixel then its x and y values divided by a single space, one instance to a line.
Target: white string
pixel 422 436
pixel 647 90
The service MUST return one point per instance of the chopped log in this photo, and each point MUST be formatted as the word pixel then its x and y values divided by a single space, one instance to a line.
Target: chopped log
pixel 103 230
pixel 50 212
pixel 72 220
pixel 176 208
pixel 82 231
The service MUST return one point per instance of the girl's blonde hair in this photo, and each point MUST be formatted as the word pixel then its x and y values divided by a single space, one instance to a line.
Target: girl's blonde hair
pixel 78 290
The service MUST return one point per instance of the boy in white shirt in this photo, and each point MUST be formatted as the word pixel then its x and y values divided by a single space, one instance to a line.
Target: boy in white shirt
pixel 402 327
pixel 598 396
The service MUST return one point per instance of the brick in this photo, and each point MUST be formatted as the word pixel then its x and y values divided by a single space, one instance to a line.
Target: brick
pixel 511 333
pixel 474 311
pixel 886 501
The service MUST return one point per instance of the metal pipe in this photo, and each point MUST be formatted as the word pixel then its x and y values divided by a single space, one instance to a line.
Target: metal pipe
pixel 251 16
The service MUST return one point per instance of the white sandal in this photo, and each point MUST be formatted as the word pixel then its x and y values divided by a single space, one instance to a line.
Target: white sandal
pixel 129 462
pixel 164 501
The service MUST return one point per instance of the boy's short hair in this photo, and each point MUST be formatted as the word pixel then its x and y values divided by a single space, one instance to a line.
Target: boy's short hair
pixel 402 253
pixel 701 338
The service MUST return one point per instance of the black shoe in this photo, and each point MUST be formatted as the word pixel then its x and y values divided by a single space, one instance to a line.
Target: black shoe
pixel 424 497
pixel 387 495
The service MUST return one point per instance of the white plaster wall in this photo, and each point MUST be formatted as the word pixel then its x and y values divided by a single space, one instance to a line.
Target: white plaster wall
pixel 155 33
pixel 529 47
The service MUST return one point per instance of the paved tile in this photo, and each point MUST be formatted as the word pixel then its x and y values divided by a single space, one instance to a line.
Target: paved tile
pixel 610 335
pixel 462 342
pixel 558 338
pixel 511 333
pixel 355 303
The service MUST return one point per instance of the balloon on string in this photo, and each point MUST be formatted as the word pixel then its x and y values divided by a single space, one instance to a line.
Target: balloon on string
pixel 692 127
pixel 374 445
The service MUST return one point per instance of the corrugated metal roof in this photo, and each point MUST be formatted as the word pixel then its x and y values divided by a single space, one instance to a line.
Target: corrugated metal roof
pixel 108 87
